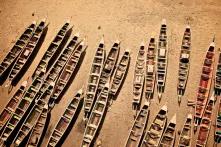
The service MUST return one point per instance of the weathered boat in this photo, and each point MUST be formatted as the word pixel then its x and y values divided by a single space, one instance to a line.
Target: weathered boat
pixel 204 85
pixel 96 117
pixel 12 104
pixel 154 133
pixel 217 84
pixel 109 65
pixel 120 74
pixel 162 59
pixel 184 63
pixel 218 124
pixel 205 124
pixel 27 52
pixel 66 119
pixel 169 135
pixel 94 77
pixel 150 74
pixel 138 81
pixel 138 127
pixel 186 133
pixel 53 50
pixel 12 55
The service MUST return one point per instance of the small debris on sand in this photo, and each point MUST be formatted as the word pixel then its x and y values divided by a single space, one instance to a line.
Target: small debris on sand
pixel 33 14
pixel 99 27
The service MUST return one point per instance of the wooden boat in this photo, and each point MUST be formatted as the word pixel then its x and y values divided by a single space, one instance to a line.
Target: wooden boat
pixel 204 85
pixel 162 59
pixel 205 124
pixel 120 73
pixel 109 65
pixel 186 133
pixel 218 124
pixel 12 104
pixel 154 134
pixel 169 135
pixel 94 76
pixel 53 50
pixel 16 50
pixel 96 117
pixel 217 83
pixel 138 127
pixel 150 75
pixel 138 81
pixel 37 131
pixel 27 51
pixel 66 119
pixel 184 63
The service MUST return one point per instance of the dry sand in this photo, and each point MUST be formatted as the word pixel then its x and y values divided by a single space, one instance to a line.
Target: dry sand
pixel 131 22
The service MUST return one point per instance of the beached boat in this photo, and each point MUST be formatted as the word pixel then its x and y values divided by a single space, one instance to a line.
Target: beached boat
pixel 96 117
pixel 12 55
pixel 93 80
pixel 53 50
pixel 66 119
pixel 204 85
pixel 138 127
pixel 154 133
pixel 109 65
pixel 12 104
pixel 27 52
pixel 206 123
pixel 138 81
pixel 169 135
pixel 36 135
pixel 186 133
pixel 218 124
pixel 162 56
pixel 120 73
pixel 150 74
pixel 184 63
pixel 217 84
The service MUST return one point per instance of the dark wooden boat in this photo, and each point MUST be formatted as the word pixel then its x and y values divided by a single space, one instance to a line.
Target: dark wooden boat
pixel 138 127
pixel 93 80
pixel 205 124
pixel 218 124
pixel 162 59
pixel 109 65
pixel 217 84
pixel 204 85
pixel 150 75
pixel 186 133
pixel 138 81
pixel 26 53
pixel 54 48
pixel 184 63
pixel 154 133
pixel 169 135
pixel 12 104
pixel 96 117
pixel 68 116
pixel 120 73
pixel 37 131
pixel 16 50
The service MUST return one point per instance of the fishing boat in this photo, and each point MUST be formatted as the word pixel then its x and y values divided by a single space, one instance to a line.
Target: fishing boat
pixel 27 52
pixel 138 127
pixel 36 135
pixel 94 77
pixel 184 63
pixel 204 85
pixel 186 133
pixel 138 81
pixel 150 74
pixel 12 104
pixel 53 50
pixel 217 83
pixel 218 124
pixel 120 73
pixel 109 65
pixel 205 124
pixel 162 59
pixel 15 51
pixel 154 133
pixel 169 135
pixel 70 114
pixel 96 117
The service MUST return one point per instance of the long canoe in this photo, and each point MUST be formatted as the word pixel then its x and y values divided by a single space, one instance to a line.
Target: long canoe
pixel 217 84
pixel 218 124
